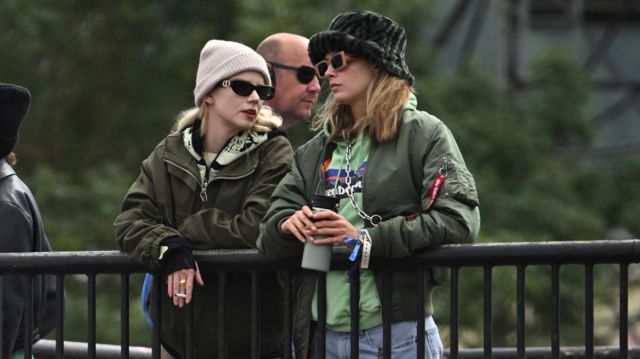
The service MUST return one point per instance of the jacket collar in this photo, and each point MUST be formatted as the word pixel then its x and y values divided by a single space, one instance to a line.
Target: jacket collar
pixel 238 146
pixel 177 152
pixel 5 169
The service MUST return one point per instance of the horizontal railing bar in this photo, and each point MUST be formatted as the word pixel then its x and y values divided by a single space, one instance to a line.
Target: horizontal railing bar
pixel 545 353
pixel 45 349
pixel 69 262
pixel 465 255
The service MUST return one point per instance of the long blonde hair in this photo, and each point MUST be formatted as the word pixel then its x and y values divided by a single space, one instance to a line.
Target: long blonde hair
pixel 266 120
pixel 386 96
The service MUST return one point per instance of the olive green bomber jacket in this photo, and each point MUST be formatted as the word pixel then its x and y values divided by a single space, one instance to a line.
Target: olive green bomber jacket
pixel 168 189
pixel 395 186
pixel 238 197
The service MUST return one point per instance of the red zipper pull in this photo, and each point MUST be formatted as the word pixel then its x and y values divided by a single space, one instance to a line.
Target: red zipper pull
pixel 437 184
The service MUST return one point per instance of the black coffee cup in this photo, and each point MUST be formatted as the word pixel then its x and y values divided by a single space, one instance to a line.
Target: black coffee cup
pixel 324 202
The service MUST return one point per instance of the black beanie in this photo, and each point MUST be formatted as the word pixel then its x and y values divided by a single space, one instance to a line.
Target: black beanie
pixel 14 102
pixel 366 34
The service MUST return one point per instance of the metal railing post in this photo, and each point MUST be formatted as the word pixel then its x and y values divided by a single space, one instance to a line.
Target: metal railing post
pixel 520 313
pixel 28 316
pixel 420 313
pixel 588 311
pixel 488 313
pixel 156 297
pixel 624 310
pixel 222 338
pixel 455 311
pixel 91 314
pixel 287 332
pixel 255 315
pixel 124 315
pixel 1 312
pixel 188 328
pixel 59 316
pixel 322 316
pixel 354 286
pixel 555 311
pixel 386 313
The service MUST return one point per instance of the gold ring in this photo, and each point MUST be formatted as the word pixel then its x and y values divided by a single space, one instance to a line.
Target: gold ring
pixel 183 281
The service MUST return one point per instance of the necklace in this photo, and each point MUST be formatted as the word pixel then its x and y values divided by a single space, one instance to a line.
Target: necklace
pixel 374 219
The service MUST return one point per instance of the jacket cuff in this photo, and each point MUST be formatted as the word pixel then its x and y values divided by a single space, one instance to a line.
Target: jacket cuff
pixel 178 255
pixel 286 236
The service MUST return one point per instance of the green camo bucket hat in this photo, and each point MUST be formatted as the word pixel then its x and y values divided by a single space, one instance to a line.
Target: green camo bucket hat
pixel 366 34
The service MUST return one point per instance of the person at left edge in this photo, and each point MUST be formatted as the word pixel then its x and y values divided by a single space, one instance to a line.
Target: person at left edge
pixel 207 186
pixel 21 230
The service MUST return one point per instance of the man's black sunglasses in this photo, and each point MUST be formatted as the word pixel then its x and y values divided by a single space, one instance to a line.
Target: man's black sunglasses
pixel 244 88
pixel 304 74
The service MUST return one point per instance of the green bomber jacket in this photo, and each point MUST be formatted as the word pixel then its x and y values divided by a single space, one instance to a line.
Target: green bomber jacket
pixel 395 186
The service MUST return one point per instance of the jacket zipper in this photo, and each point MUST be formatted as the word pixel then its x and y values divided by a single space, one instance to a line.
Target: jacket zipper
pixel 205 182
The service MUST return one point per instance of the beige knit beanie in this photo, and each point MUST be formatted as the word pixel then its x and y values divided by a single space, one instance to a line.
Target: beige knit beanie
pixel 219 60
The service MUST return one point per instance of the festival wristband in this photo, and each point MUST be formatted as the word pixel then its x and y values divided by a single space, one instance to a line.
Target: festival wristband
pixel 366 248
pixel 356 247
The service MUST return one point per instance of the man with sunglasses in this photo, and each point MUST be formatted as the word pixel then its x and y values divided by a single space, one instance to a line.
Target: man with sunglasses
pixel 293 76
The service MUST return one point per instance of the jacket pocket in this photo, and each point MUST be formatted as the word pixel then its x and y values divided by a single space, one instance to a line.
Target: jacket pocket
pixel 460 184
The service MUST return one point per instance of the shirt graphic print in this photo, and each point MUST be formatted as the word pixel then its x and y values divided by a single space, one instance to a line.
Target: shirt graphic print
pixel 340 191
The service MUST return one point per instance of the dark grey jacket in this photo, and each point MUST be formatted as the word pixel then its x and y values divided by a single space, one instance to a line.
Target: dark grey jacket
pixel 22 230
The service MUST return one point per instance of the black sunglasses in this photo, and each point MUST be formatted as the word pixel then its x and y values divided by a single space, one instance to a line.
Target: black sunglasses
pixel 338 62
pixel 244 88
pixel 304 74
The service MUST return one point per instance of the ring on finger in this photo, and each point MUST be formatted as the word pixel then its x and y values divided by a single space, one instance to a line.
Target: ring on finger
pixel 180 295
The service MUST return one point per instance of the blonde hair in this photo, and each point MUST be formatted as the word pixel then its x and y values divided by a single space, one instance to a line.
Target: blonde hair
pixel 386 96
pixel 266 120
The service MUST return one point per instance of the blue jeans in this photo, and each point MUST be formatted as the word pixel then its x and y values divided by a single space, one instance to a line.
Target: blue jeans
pixel 18 355
pixel 403 342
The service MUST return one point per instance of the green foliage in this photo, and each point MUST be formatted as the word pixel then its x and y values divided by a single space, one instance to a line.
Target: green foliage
pixel 108 78
pixel 79 210
pixel 532 189
pixel 525 185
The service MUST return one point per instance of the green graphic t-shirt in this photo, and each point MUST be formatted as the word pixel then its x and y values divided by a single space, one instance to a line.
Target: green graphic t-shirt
pixel 338 290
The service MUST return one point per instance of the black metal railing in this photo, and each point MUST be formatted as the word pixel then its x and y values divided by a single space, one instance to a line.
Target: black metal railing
pixel 486 256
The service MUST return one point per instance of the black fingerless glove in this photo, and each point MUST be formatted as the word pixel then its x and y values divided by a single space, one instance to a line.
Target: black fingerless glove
pixel 179 255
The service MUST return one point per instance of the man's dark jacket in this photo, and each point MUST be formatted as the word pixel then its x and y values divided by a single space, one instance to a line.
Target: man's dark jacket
pixel 22 230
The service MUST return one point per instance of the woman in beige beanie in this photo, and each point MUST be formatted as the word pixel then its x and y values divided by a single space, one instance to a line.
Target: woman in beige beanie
pixel 206 186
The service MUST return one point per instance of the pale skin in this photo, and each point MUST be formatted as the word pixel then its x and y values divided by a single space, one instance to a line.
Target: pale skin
pixel 349 87
pixel 293 100
pixel 223 122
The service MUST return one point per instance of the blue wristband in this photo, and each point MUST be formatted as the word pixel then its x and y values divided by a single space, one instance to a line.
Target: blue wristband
pixel 356 247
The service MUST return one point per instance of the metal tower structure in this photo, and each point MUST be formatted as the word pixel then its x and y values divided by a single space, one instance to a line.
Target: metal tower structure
pixel 604 35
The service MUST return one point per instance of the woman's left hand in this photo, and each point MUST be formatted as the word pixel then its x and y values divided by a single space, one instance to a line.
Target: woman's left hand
pixel 333 227
pixel 180 285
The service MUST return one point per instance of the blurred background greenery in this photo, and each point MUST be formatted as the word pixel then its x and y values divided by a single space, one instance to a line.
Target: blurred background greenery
pixel 109 77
